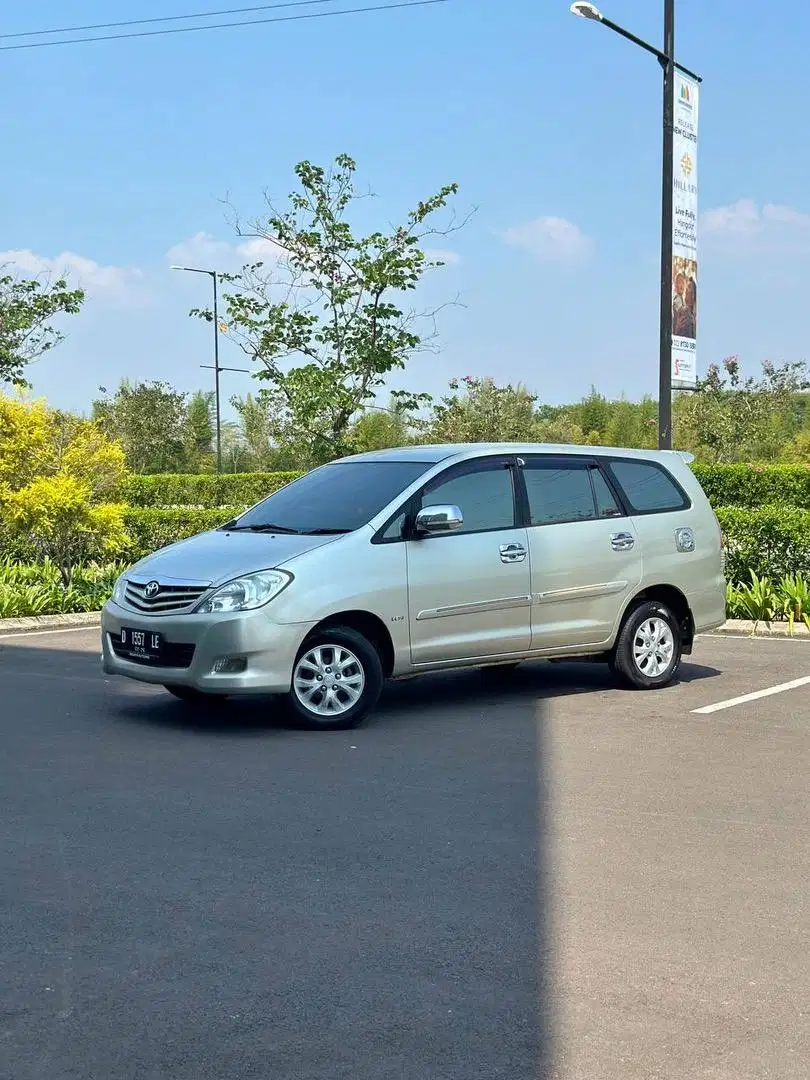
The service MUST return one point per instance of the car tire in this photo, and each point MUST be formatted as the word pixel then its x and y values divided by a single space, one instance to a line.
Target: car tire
pixel 189 696
pixel 336 682
pixel 647 653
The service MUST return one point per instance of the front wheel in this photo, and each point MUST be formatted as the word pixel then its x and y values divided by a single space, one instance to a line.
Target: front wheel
pixel 648 649
pixel 337 680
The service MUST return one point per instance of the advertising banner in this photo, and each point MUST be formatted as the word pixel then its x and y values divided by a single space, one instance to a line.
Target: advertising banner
pixel 684 233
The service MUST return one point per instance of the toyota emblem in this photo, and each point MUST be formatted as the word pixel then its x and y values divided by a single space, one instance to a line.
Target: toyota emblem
pixel 151 590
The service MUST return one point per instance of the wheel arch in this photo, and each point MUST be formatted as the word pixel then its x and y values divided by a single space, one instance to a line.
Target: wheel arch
pixel 366 623
pixel 675 600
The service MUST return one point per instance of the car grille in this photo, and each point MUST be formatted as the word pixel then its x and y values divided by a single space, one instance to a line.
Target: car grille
pixel 172 655
pixel 169 599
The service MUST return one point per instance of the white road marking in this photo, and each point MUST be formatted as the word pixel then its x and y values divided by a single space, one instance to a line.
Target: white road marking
pixel 38 633
pixel 757 694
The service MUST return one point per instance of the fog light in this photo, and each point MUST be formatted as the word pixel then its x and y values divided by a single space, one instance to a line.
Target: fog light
pixel 229 665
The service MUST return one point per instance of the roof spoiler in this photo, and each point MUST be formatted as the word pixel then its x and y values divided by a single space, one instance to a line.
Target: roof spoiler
pixel 687 456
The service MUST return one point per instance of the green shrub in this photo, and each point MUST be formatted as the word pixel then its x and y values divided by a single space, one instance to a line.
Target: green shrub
pixel 204 491
pixel 38 590
pixel 150 528
pixel 761 601
pixel 771 542
pixel 755 485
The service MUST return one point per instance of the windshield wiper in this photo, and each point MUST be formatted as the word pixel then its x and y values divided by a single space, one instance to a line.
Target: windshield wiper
pixel 264 529
pixel 326 532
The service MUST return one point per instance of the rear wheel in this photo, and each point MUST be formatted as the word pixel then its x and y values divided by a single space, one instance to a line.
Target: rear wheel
pixel 191 696
pixel 648 650
pixel 337 680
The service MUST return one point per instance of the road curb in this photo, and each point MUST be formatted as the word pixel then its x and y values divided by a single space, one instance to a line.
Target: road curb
pixel 748 628
pixel 49 622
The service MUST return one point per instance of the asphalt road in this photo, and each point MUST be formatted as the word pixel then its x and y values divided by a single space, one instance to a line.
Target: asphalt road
pixel 537 878
pixel 188 898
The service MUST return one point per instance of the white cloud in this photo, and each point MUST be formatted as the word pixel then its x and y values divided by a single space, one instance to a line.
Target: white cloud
pixel 773 228
pixel 115 283
pixel 208 253
pixel 552 239
pixel 444 255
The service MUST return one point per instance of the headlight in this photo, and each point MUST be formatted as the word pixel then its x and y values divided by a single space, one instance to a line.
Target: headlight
pixel 247 593
pixel 119 589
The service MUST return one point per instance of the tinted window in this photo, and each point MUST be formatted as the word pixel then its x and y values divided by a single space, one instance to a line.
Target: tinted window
pixel 337 498
pixel 606 505
pixel 647 487
pixel 394 530
pixel 483 492
pixel 558 493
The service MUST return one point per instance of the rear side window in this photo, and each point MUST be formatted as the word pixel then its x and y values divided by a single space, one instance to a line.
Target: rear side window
pixel 566 491
pixel 648 487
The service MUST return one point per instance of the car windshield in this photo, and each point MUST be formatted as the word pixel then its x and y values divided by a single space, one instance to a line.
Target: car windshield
pixel 337 498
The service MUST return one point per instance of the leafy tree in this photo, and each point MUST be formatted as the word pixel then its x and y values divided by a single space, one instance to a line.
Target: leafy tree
pixel 325 321
pixel 380 429
pixel 148 419
pixel 59 475
pixel 478 410
pixel 37 441
pixel 727 419
pixel 27 309
pixel 797 451
pixel 560 427
pixel 632 423
pixel 200 429
pixel 57 516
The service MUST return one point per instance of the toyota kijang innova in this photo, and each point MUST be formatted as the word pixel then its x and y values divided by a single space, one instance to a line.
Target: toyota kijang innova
pixel 425 558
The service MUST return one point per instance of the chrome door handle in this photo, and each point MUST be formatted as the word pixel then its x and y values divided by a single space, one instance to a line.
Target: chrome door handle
pixel 622 541
pixel 513 552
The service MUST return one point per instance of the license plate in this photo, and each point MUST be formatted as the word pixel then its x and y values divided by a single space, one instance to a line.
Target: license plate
pixel 141 644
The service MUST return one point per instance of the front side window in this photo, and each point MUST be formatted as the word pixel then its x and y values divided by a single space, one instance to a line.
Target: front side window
pixel 482 490
pixel 338 498
pixel 648 488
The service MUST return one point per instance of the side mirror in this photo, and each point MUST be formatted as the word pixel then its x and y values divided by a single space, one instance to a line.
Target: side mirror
pixel 434 520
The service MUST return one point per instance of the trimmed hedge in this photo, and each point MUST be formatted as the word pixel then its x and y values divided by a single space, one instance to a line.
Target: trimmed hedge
pixel 204 491
pixel 772 541
pixel 155 527
pixel 755 485
pixel 726 485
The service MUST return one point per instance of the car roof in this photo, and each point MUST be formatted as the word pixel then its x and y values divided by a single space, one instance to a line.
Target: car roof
pixel 434 454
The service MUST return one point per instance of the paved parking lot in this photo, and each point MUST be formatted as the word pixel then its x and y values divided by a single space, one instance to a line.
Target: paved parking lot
pixel 196 897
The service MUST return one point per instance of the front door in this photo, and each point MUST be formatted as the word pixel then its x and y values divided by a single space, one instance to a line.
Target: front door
pixel 469 591
pixel 585 553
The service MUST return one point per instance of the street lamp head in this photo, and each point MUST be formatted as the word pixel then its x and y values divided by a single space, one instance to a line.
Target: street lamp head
pixel 586 11
pixel 194 270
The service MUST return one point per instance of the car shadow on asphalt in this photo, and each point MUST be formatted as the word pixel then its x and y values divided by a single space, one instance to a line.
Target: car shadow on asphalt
pixel 403 701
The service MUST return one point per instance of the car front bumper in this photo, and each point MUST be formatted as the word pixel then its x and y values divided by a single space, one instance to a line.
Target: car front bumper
pixel 269 650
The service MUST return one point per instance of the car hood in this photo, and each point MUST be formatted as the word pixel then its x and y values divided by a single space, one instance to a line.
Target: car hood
pixel 213 557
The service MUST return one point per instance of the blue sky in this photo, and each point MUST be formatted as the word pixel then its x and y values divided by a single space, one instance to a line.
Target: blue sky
pixel 116 157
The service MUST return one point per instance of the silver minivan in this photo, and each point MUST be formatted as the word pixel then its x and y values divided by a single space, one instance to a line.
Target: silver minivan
pixel 426 558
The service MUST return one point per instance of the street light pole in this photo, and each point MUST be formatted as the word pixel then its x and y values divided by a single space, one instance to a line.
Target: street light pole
pixel 665 342
pixel 666 59
pixel 217 368
pixel 213 275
